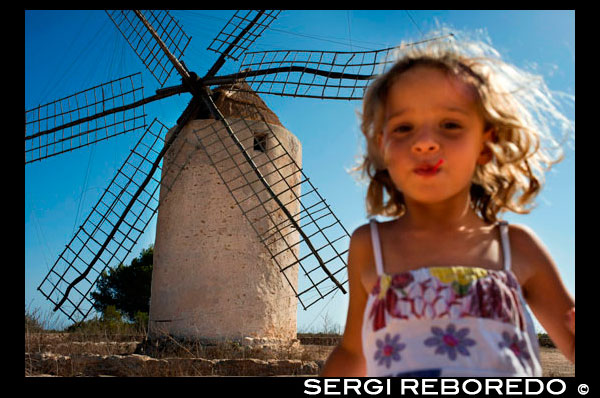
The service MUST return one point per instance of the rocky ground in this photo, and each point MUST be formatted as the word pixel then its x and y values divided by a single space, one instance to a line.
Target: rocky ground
pixel 54 354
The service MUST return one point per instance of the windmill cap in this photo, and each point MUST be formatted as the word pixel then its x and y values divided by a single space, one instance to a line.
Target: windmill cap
pixel 239 101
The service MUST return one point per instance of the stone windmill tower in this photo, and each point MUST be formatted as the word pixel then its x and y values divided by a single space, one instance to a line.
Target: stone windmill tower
pixel 242 234
pixel 210 268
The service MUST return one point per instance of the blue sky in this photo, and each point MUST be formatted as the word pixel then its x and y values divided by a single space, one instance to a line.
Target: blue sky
pixel 69 51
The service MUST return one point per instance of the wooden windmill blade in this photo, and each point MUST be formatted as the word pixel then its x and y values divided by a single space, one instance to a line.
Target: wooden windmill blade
pixel 110 109
pixel 313 74
pixel 254 21
pixel 84 118
pixel 110 230
pixel 265 181
pixel 140 29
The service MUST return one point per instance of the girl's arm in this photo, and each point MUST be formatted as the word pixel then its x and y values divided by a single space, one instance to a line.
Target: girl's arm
pixel 347 358
pixel 545 291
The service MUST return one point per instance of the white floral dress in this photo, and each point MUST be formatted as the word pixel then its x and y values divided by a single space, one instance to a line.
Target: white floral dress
pixel 448 322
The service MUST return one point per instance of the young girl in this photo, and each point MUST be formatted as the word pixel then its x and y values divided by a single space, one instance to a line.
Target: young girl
pixel 440 290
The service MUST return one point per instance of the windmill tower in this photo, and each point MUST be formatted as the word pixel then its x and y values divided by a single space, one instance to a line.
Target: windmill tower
pixel 273 227
pixel 210 268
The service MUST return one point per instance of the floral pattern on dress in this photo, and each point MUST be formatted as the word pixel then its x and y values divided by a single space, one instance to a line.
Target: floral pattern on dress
pixel 461 275
pixel 460 278
pixel 447 292
pixel 429 299
pixel 497 298
pixel 516 345
pixel 388 350
pixel 450 341
pixel 387 296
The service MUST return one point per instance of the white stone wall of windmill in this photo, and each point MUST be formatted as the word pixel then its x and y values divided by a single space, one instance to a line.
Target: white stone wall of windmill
pixel 213 278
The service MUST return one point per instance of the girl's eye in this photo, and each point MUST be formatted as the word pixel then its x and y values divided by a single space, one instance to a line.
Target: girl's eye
pixel 406 128
pixel 451 126
pixel 402 128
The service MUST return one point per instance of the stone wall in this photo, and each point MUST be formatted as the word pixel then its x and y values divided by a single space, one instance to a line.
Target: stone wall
pixel 213 277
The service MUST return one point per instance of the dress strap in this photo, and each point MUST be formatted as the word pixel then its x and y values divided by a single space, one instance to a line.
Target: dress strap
pixel 503 225
pixel 376 246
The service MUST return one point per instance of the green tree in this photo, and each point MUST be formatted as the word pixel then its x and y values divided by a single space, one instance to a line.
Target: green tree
pixel 126 287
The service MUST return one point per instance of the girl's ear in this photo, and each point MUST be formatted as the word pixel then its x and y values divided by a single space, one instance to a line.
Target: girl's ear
pixel 486 153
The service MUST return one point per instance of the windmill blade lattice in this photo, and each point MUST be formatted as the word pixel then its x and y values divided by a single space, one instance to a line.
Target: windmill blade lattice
pixel 85 118
pixel 264 181
pixel 144 44
pixel 71 279
pixel 313 74
pixel 233 35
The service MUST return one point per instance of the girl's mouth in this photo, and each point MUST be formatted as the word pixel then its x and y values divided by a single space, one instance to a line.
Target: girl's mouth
pixel 429 171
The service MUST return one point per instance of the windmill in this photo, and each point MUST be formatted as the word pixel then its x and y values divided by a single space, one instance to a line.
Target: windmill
pixel 299 220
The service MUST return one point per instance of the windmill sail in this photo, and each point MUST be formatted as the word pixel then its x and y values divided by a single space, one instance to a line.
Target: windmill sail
pixel 142 41
pixel 85 118
pixel 241 31
pixel 313 74
pixel 111 229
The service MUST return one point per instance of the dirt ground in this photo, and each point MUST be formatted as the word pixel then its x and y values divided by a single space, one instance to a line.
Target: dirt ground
pixel 554 364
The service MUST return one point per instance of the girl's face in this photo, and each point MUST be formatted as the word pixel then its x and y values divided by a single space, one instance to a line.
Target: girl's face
pixel 429 116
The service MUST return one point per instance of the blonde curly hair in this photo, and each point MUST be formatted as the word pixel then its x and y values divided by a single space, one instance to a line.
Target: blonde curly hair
pixel 516 104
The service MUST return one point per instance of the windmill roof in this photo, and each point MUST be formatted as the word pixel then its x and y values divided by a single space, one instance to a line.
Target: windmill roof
pixel 240 101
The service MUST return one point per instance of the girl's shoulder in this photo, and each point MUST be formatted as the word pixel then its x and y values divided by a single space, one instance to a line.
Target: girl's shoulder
pixel 361 239
pixel 530 257
pixel 361 248
pixel 523 234
pixel 525 243
pixel 361 260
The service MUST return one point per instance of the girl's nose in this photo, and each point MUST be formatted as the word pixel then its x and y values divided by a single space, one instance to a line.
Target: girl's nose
pixel 425 144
